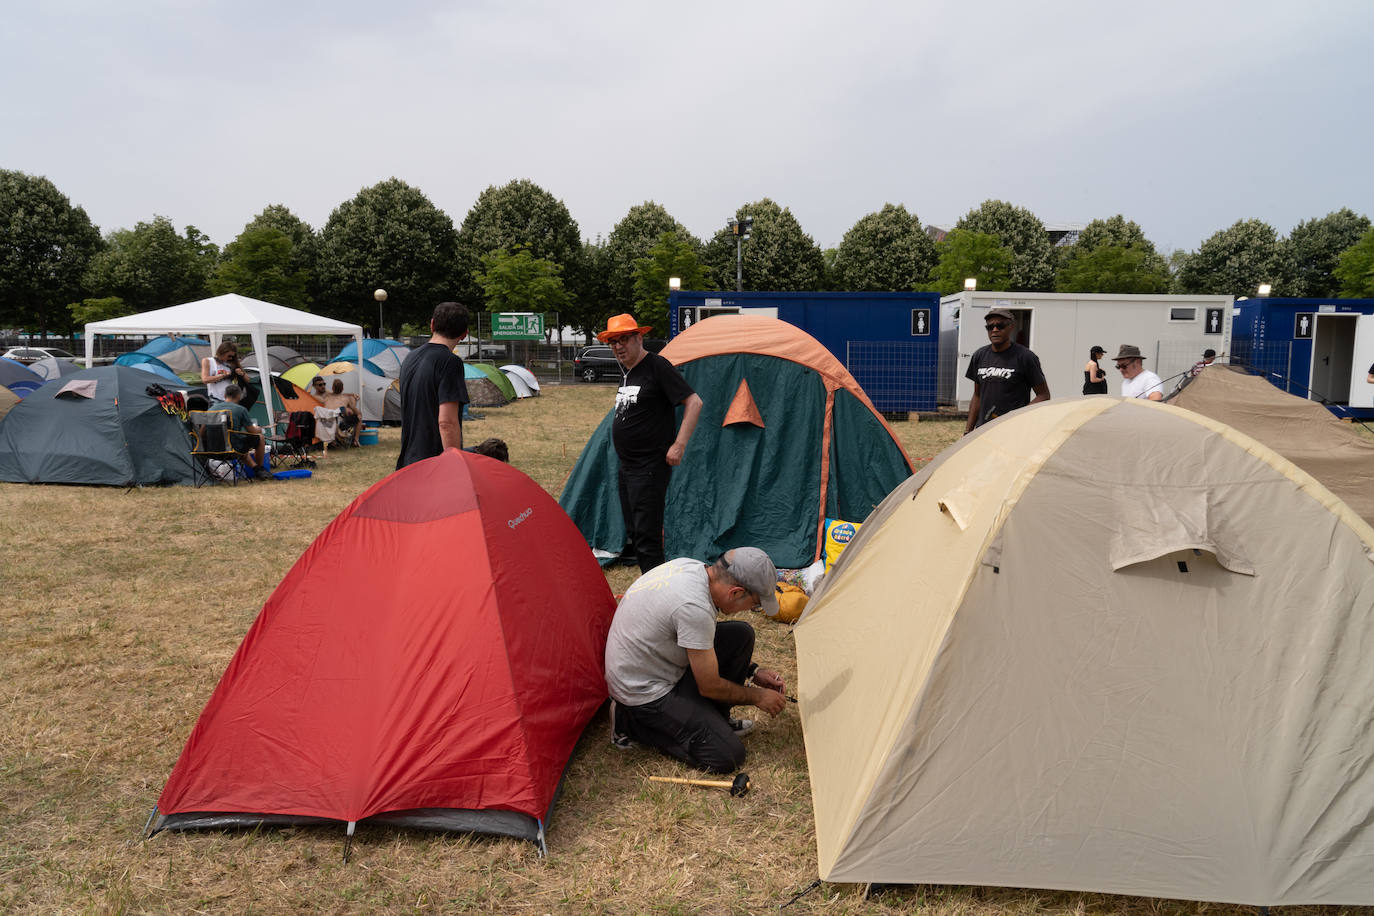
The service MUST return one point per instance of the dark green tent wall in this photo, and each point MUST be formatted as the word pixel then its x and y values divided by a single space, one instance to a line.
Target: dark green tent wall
pixel 121 437
pixel 739 484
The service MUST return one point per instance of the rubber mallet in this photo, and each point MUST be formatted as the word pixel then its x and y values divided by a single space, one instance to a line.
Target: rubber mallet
pixel 740 786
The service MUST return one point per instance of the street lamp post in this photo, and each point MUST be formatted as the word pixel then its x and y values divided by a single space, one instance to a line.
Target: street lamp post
pixel 1265 289
pixel 380 296
pixel 970 284
pixel 740 229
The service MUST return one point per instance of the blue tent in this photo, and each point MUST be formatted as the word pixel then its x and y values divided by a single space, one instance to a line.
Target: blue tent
pixel 380 356
pixel 180 354
pixel 18 377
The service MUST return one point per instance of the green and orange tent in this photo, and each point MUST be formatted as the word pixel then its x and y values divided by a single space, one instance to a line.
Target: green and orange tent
pixel 786 439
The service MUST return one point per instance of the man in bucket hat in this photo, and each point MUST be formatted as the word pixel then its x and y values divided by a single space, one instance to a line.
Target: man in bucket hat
pixel 674 672
pixel 647 440
pixel 1136 380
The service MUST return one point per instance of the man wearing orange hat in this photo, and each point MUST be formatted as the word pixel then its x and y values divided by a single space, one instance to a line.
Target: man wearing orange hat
pixel 647 440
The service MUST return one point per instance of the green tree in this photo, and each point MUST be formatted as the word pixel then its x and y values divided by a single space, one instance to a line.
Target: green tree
pixel 1112 256
pixel 1114 269
pixel 673 256
pixel 519 214
pixel 391 237
pixel 1313 247
pixel 778 255
pixel 1022 234
pixel 88 310
pixel 305 242
pixel 1235 262
pixel 640 230
pixel 258 264
pixel 964 254
pixel 884 251
pixel 1355 268
pixel 517 281
pixel 46 246
pixel 152 266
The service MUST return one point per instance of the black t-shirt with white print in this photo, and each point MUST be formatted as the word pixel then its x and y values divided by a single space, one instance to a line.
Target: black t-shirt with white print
pixel 645 423
pixel 1005 380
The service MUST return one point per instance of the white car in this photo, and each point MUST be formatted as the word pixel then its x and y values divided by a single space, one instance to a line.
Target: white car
pixel 34 354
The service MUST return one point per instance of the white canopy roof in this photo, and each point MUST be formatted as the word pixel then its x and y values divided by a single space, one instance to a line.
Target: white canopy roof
pixel 220 315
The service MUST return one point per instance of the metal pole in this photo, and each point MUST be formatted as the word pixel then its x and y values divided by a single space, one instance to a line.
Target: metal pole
pixel 739 264
pixel 379 319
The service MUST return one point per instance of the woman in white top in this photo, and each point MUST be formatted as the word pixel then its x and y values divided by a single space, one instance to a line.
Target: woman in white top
pixel 217 372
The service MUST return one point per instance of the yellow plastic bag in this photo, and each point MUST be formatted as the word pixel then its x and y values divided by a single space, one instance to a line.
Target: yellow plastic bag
pixel 838 534
pixel 791 602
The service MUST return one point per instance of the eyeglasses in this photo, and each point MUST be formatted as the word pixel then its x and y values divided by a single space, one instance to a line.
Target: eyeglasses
pixel 615 341
pixel 997 326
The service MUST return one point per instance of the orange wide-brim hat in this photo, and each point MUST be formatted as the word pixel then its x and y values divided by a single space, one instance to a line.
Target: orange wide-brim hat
pixel 621 325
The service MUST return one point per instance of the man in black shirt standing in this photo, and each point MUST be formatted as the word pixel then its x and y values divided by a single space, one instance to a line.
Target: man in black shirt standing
pixel 648 442
pixel 1004 373
pixel 433 389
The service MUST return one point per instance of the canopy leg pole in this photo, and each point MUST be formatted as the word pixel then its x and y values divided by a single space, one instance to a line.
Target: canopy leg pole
pixel 348 843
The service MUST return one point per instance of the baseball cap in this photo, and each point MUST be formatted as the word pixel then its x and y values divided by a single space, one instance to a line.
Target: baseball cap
pixel 752 569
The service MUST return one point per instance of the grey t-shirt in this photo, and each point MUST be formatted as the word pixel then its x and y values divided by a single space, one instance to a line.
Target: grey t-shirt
pixel 666 612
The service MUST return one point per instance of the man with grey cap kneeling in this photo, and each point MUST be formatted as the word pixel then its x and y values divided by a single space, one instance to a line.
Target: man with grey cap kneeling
pixel 673 672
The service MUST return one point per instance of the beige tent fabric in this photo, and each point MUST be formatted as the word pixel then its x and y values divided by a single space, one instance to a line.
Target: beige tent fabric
pixel 7 400
pixel 1302 431
pixel 1004 704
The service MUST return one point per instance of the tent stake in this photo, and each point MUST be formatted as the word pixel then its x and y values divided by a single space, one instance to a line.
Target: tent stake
pixel 348 843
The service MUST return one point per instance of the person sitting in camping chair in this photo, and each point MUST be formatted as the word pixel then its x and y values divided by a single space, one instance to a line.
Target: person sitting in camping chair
pixel 350 418
pixel 244 435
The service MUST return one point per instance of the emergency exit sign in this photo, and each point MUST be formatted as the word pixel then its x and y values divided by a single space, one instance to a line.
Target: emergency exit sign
pixel 518 326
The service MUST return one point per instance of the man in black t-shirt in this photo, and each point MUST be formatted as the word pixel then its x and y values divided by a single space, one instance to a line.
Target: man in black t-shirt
pixel 433 389
pixel 647 440
pixel 1004 373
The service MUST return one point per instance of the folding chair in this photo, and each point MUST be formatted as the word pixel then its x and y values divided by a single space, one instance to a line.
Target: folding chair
pixel 291 440
pixel 211 442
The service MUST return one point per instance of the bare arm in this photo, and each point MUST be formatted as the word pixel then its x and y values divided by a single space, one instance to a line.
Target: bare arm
pixel 451 424
pixel 207 376
pixel 691 412
pixel 711 685
pixel 974 404
pixel 1042 393
pixel 1155 396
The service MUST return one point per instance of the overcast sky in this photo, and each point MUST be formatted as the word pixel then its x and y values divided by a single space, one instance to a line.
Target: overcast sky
pixel 1184 116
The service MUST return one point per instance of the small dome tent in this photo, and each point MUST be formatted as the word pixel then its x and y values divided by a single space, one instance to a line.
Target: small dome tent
pixel 279 359
pixel 108 432
pixel 482 391
pixel 419 694
pixel 786 439
pixel 180 354
pixel 1100 645
pixel 382 356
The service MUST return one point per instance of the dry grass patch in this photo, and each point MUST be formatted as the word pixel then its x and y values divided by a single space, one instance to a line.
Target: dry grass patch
pixel 125 608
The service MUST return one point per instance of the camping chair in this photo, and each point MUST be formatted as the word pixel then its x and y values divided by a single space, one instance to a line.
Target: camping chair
pixel 290 442
pixel 212 448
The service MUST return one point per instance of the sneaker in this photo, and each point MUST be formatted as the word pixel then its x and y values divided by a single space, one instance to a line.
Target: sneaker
pixel 741 727
pixel 262 474
pixel 620 740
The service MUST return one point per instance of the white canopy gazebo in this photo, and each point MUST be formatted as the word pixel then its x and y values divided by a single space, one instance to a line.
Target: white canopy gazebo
pixel 227 314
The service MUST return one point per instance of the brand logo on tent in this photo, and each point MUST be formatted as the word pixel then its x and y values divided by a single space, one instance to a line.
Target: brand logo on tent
pixel 520 518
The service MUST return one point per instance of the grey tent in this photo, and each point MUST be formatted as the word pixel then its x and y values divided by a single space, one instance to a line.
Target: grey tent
pixel 119 435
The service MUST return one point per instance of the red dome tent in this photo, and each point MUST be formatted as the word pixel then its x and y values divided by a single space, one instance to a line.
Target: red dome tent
pixel 431 660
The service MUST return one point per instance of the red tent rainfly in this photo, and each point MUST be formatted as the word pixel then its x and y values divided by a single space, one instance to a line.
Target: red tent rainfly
pixel 431 660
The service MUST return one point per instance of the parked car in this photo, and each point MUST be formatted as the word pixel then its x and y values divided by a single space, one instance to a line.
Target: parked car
pixel 34 354
pixel 592 363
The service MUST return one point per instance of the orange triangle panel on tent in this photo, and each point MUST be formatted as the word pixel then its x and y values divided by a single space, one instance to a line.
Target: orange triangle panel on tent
pixel 742 408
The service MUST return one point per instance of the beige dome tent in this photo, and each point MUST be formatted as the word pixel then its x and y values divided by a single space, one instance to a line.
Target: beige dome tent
pixel 1100 645
pixel 1300 430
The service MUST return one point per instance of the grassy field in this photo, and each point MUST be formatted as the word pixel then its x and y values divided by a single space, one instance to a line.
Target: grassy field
pixel 123 610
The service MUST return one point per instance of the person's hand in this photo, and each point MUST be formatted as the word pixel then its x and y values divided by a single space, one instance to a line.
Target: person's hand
pixel 674 456
pixel 769 700
pixel 769 680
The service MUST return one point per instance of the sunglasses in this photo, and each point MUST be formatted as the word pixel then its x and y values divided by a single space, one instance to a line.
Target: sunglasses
pixel 997 326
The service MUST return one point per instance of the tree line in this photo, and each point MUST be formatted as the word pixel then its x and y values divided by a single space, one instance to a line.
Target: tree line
pixel 519 249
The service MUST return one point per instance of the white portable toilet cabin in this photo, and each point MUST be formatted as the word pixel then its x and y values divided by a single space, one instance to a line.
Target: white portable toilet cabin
pixel 1171 331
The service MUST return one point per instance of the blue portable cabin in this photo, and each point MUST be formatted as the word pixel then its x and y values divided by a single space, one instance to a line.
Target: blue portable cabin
pixel 1320 349
pixel 889 342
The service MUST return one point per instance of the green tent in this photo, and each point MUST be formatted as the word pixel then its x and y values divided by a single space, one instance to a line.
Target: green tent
pixel 97 426
pixel 497 377
pixel 786 439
